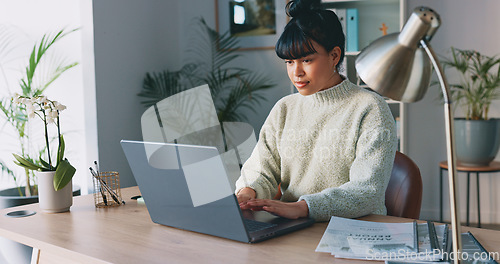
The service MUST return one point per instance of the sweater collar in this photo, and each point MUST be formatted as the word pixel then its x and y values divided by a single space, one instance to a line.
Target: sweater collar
pixel 332 94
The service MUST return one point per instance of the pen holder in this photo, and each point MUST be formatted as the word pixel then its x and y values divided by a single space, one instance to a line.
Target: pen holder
pixel 107 186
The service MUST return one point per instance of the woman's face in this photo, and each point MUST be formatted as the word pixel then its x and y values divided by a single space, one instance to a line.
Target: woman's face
pixel 315 72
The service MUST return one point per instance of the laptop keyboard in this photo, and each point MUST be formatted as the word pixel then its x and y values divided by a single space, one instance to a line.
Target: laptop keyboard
pixel 254 226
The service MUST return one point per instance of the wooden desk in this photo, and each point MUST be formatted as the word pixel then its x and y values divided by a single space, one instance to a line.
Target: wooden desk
pixel 125 234
pixel 494 166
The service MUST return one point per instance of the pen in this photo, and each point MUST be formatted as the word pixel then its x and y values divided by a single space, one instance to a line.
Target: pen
pixel 113 194
pixel 100 186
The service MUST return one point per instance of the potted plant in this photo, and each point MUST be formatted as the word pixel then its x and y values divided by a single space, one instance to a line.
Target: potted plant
pixel 39 73
pixel 477 135
pixel 54 176
pixel 209 55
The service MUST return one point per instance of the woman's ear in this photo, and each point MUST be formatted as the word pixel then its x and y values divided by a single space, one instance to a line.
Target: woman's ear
pixel 335 55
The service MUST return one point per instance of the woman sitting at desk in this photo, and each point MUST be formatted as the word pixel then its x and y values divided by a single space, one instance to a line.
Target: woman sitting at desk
pixel 330 147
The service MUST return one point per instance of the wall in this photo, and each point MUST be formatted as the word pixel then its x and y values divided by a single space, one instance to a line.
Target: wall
pixel 135 37
pixel 130 38
pixel 260 61
pixel 466 25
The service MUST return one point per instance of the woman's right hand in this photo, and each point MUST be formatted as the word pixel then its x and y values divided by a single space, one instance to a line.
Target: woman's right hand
pixel 245 194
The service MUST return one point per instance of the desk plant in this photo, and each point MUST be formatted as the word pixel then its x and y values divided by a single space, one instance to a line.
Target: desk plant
pixel 48 111
pixel 209 55
pixel 477 139
pixel 479 83
pixel 39 73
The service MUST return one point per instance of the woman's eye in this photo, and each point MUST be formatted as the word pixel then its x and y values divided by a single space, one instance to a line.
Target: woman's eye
pixel 307 60
pixel 288 62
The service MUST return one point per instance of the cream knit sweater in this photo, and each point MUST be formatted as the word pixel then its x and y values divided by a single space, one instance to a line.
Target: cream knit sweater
pixel 334 149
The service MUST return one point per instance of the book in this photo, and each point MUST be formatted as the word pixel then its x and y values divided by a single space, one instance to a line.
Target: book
pixel 472 253
pixel 475 252
pixel 432 241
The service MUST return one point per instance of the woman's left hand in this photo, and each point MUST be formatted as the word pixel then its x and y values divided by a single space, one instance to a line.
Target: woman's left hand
pixel 291 210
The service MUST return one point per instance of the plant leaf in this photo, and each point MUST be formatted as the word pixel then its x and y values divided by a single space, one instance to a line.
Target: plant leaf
pixel 64 174
pixel 60 151
pixel 27 164
pixel 44 163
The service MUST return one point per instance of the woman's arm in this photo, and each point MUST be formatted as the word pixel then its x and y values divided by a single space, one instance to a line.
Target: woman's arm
pixel 261 172
pixel 369 174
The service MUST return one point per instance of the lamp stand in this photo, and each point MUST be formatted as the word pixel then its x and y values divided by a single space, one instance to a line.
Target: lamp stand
pixel 451 155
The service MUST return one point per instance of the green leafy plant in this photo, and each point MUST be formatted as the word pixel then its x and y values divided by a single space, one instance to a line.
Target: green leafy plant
pixel 39 73
pixel 48 111
pixel 479 81
pixel 210 53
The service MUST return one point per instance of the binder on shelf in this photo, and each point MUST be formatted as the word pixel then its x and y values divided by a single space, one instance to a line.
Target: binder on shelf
pixel 351 29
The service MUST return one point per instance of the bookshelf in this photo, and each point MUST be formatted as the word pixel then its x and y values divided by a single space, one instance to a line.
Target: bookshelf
pixel 371 19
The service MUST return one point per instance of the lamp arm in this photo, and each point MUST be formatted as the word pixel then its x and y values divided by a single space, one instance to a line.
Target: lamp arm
pixel 439 70
pixel 451 155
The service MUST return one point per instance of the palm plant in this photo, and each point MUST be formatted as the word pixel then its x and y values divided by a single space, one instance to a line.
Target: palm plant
pixel 232 88
pixel 37 76
pixel 479 81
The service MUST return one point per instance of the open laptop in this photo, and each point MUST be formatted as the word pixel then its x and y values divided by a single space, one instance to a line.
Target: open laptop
pixel 186 187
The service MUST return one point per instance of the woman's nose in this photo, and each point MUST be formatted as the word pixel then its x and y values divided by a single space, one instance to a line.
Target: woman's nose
pixel 298 70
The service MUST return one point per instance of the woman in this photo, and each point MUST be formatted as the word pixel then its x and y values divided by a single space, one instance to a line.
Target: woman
pixel 332 145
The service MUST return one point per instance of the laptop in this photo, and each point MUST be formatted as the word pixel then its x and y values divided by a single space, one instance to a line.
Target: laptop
pixel 186 187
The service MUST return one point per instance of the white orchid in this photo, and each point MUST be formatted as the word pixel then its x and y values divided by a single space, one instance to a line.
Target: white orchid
pixel 52 116
pixel 59 107
pixel 48 111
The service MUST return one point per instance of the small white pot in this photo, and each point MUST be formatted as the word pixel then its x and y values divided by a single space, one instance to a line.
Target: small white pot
pixel 50 200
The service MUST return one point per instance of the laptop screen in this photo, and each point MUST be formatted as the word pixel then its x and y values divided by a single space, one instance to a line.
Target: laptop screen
pixel 186 186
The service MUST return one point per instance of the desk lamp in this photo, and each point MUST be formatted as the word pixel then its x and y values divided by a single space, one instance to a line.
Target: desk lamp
pixel 398 66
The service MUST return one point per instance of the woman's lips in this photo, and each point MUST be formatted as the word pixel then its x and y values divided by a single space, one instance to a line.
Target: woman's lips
pixel 301 84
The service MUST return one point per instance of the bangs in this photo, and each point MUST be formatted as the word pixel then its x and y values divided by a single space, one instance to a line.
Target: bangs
pixel 293 44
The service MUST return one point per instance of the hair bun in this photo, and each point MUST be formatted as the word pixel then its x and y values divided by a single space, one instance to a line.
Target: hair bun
pixel 296 7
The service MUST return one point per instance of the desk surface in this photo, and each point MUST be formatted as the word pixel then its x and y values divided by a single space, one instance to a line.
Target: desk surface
pixel 125 234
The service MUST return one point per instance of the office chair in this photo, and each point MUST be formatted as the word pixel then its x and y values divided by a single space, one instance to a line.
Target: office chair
pixel 403 196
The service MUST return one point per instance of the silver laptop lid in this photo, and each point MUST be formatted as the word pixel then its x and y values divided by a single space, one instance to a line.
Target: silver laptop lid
pixel 186 187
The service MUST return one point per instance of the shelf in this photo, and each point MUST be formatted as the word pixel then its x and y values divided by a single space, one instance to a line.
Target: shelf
pixel 351 53
pixel 371 14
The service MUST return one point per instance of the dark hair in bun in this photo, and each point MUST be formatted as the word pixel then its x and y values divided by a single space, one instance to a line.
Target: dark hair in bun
pixel 295 8
pixel 309 22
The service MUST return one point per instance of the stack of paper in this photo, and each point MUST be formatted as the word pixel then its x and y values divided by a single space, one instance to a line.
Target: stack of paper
pixel 349 238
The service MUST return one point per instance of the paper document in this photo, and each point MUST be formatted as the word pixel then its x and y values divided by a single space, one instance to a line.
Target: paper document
pixel 350 238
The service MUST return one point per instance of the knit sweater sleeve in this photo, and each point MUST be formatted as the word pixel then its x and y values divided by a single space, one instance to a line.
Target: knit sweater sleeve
pixel 261 171
pixel 369 173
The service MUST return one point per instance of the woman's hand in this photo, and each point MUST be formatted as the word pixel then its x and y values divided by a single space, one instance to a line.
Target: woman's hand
pixel 292 210
pixel 245 194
